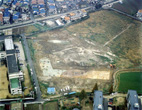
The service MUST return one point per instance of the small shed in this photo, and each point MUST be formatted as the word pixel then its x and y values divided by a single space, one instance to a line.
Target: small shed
pixel 51 90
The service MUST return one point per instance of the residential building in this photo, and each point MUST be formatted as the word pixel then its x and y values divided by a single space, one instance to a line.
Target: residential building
pixel 100 103
pixel 1 18
pixel 132 100
pixel 35 10
pixel 24 17
pixel 139 14
pixel 2 55
pixel 6 16
pixel 16 16
pixel 59 22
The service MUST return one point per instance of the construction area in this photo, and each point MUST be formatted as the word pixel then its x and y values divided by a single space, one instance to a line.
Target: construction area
pixel 86 53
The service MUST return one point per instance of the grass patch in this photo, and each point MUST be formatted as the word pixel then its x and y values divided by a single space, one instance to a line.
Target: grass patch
pixel 24 50
pixel 50 106
pixel 32 50
pixel 32 107
pixel 43 88
pixel 130 80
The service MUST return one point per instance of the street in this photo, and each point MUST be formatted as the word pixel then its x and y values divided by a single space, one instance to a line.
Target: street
pixel 34 76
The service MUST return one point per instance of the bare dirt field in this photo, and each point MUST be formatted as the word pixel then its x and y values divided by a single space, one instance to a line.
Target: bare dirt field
pixel 79 55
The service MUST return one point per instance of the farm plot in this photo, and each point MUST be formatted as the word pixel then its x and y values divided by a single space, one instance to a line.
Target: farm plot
pixel 129 80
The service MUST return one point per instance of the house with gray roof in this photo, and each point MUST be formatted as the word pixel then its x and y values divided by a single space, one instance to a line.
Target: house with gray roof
pixel 100 103
pixel 132 100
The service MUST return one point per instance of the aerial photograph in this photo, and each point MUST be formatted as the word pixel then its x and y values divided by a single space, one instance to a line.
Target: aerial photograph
pixel 70 54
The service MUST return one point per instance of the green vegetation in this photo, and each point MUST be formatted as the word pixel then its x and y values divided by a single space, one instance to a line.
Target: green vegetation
pixel 1 107
pixel 50 105
pixel 95 88
pixel 32 107
pixel 111 89
pixel 105 59
pixel 43 87
pixel 32 50
pixel 103 26
pixel 82 94
pixel 24 50
pixel 41 28
pixel 130 80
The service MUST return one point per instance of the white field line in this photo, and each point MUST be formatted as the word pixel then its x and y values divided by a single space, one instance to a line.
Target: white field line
pixel 117 35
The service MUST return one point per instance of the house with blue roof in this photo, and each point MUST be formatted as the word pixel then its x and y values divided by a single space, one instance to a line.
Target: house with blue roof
pixel 35 10
pixel 51 2
pixel 6 15
pixel 42 11
pixel 52 8
pixel 16 15
pixel 41 6
pixel 132 100
pixel 51 90
pixel 7 2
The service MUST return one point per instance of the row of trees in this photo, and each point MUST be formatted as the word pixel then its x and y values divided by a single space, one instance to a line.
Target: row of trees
pixel 83 94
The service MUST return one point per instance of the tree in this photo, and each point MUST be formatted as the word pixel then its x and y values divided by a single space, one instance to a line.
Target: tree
pixel 111 89
pixel 82 94
pixel 95 88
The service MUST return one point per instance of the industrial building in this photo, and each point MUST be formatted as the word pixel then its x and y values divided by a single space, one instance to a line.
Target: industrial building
pixel 132 100
pixel 15 76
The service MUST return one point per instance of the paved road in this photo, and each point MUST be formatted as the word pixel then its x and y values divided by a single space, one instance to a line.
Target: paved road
pixel 30 22
pixel 34 76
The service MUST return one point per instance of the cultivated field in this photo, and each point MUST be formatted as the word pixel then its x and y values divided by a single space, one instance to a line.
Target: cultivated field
pixel 79 55
pixel 44 106
pixel 50 106
pixel 127 80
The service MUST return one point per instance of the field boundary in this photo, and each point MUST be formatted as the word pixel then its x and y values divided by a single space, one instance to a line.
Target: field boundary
pixel 116 76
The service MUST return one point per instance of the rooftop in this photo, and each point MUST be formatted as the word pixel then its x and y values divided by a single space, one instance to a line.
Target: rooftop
pixel 98 100
pixel 12 64
pixel 51 90
pixel 8 44
pixel 140 11
pixel 14 83
pixel 133 99
pixel 10 51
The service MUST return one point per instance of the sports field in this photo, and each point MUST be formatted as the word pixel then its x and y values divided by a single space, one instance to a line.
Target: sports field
pixel 130 80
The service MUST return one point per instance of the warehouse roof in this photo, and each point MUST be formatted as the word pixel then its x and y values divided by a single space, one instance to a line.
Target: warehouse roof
pixel 12 64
